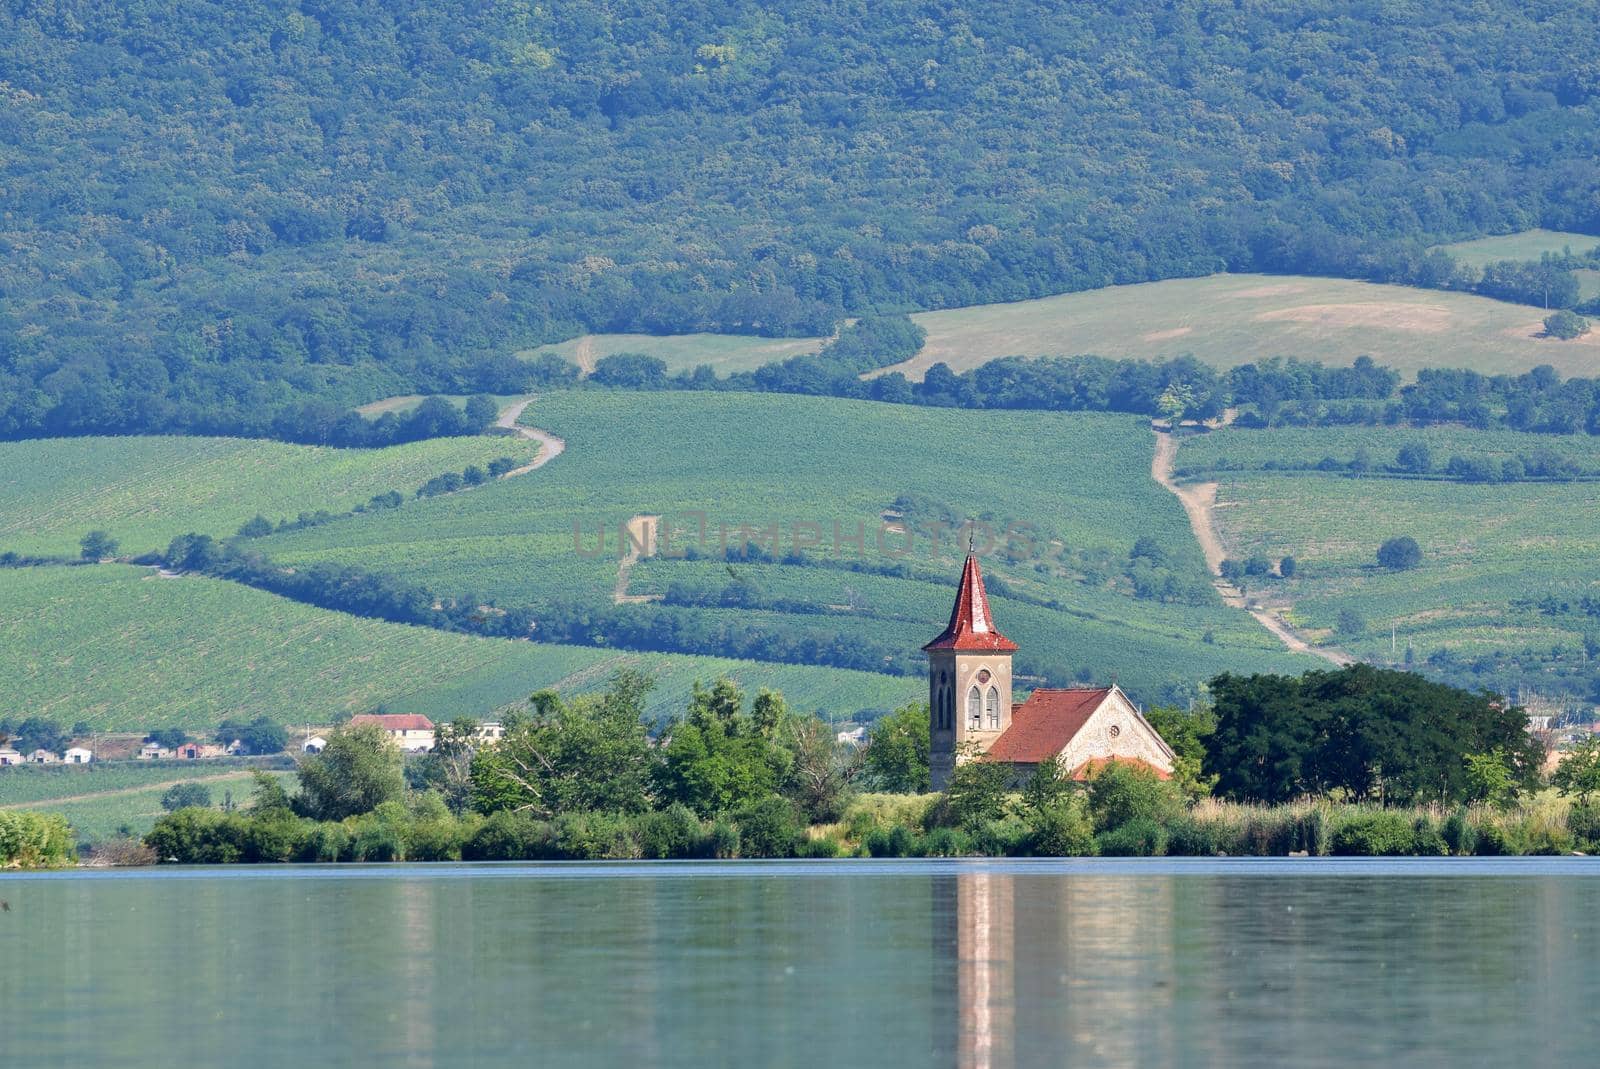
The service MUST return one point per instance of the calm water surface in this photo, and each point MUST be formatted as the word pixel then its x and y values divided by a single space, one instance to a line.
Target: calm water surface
pixel 818 964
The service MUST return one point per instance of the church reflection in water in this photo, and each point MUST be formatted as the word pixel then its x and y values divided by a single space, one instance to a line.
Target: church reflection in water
pixel 1042 970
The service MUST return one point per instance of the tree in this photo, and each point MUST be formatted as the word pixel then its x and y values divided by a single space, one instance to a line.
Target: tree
pixel 1491 778
pixel 1565 325
pixel 822 770
pixel 259 736
pixel 977 792
pixel 592 753
pixel 258 527
pixel 1367 732
pixel 186 796
pixel 1186 731
pixel 1400 554
pixel 481 411
pixel 447 768
pixel 39 733
pixel 1174 401
pixel 1414 457
pixel 896 756
pixel 1350 623
pixel 356 772
pixel 97 545
pixel 718 757
pixel 168 738
pixel 1579 771
pixel 1287 567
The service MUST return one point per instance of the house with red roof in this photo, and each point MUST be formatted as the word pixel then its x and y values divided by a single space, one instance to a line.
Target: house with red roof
pixel 411 732
pixel 972 716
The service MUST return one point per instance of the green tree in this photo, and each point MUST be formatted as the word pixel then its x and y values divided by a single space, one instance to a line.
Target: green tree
pixel 822 770
pixel 1366 732
pixel 1565 325
pixel 1492 778
pixel 718 757
pixel 168 738
pixel 186 796
pixel 481 411
pixel 592 753
pixel 1579 771
pixel 1287 567
pixel 1415 457
pixel 1349 623
pixel 896 755
pixel 1186 731
pixel 260 736
pixel 977 792
pixel 358 771
pixel 97 545
pixel 1175 401
pixel 1400 554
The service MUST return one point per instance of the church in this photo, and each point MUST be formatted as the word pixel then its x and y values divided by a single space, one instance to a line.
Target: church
pixel 972 716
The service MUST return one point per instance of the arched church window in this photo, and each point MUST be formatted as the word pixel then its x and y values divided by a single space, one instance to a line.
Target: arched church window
pixel 992 708
pixel 974 708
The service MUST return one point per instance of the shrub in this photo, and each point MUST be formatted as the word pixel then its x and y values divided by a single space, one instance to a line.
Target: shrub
pixel 1380 834
pixel 1191 836
pixel 724 840
pixel 1139 837
pixel 1565 325
pixel 327 842
pixel 275 836
pixel 1315 832
pixel 1460 837
pixel 594 837
pixel 769 828
pixel 1583 821
pixel 1495 839
pixel 674 832
pixel 198 837
pixel 1003 837
pixel 1062 829
pixel 1400 554
pixel 437 839
pixel 1543 834
pixel 1426 841
pixel 185 795
pixel 34 840
pixel 376 841
pixel 890 842
pixel 503 836
pixel 824 847
pixel 945 842
pixel 1122 792
pixel 977 792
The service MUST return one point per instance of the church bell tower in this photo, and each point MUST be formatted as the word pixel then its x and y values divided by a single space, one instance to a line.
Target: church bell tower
pixel 969 680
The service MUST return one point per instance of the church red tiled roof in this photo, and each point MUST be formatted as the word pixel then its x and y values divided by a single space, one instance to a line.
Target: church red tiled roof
pixel 1042 726
pixel 971 627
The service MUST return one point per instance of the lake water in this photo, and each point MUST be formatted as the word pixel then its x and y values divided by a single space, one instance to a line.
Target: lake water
pixel 814 964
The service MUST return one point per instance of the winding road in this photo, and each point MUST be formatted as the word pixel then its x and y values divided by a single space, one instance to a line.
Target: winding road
pixel 1199 503
pixel 552 446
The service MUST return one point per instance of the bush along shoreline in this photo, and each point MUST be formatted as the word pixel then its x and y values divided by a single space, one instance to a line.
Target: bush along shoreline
pixel 589 779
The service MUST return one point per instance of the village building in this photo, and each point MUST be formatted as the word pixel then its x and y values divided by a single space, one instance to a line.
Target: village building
pixel 43 757
pixel 78 755
pixel 972 716
pixel 8 756
pixel 315 744
pixel 194 751
pixel 153 751
pixel 410 732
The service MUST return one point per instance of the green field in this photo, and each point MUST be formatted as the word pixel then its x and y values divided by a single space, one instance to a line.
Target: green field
pixel 99 815
pixel 1488 550
pixel 683 352
pixel 1525 245
pixel 36 784
pixel 1233 319
pixel 146 490
pixel 123 649
pixel 1306 446
pixel 768 461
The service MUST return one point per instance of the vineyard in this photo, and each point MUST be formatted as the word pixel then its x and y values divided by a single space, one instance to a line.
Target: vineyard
pixel 1506 568
pixel 27 784
pixel 1080 480
pixel 146 490
pixel 133 811
pixel 123 649
pixel 1306 447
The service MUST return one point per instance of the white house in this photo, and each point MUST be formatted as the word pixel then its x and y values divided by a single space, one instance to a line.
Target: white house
pixel 411 732
pixel 43 757
pixel 8 756
pixel 315 744
pixel 153 751
pixel 78 755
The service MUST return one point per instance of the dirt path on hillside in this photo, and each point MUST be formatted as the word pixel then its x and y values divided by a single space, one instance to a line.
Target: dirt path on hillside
pixel 551 446
pixel 1199 504
pixel 94 796
pixel 641 543
pixel 583 354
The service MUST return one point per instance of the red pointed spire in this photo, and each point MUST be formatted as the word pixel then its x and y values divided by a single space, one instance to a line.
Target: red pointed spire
pixel 971 626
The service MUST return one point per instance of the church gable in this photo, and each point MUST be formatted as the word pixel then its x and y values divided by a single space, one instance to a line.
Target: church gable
pixel 1079 728
pixel 1115 732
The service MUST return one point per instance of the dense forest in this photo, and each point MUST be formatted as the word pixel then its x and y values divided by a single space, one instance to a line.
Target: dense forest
pixel 222 216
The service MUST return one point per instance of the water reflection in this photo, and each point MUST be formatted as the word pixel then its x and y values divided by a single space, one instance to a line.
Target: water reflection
pixel 803 966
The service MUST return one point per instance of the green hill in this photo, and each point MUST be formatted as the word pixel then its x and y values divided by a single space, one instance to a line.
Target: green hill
pixel 146 490
pixel 123 649
pixel 1508 591
pixel 217 212
pixel 1079 482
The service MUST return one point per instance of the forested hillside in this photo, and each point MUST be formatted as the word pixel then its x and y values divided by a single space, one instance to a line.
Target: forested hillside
pixel 211 213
